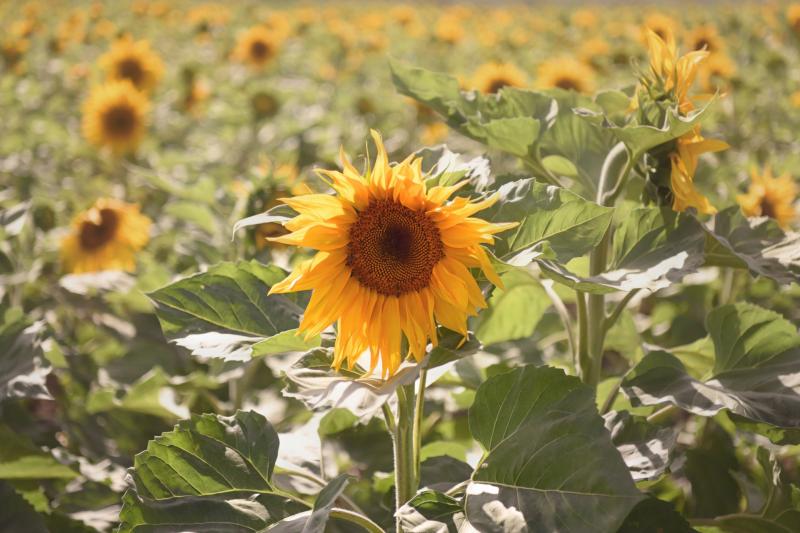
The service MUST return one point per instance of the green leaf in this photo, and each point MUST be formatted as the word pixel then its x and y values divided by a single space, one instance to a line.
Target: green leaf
pixel 225 311
pixel 210 473
pixel 23 367
pixel 447 168
pixel 285 342
pixel 549 459
pixel 653 248
pixel 429 511
pixel 757 244
pixel 315 520
pixel 434 89
pixel 655 516
pixel 195 213
pixel 22 459
pixel 645 448
pixel 755 372
pixel 517 136
pixel 151 395
pixel 571 225
pixel 514 311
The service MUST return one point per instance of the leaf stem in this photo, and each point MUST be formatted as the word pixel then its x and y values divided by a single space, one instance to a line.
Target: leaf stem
pixel 609 322
pixel 356 518
pixel 566 320
pixel 612 395
pixel 663 414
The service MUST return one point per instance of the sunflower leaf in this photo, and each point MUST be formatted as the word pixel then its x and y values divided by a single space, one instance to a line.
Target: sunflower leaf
pixel 755 374
pixel 23 367
pixel 430 511
pixel 549 459
pixel 315 520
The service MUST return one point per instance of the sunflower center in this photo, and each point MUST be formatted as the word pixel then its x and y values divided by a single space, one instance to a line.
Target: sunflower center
pixel 119 121
pixel 568 84
pixel 96 233
pixel 259 50
pixel 132 70
pixel 702 43
pixel 767 208
pixel 393 249
pixel 497 84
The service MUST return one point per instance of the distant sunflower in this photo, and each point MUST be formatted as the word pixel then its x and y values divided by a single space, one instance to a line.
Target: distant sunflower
pixel 114 115
pixel 257 47
pixel 705 37
pixel 566 73
pixel 769 196
pixel 491 77
pixel 134 61
pixel 393 259
pixel 662 25
pixel 105 237
pixel 793 17
pixel 716 71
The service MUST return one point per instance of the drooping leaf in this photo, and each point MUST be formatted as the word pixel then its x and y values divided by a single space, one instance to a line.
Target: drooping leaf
pixel 756 370
pixel 550 460
pixel 448 168
pixel 210 473
pixel 225 311
pixel 315 520
pixel 277 215
pixel 757 244
pixel 23 367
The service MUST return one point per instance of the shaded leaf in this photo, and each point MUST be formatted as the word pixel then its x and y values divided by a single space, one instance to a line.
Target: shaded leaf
pixel 655 516
pixel 645 448
pixel 513 311
pixel 429 511
pixel 22 459
pixel 315 520
pixel 23 367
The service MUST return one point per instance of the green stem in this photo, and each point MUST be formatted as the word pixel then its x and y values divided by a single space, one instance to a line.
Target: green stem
pixel 612 395
pixel 404 469
pixel 563 313
pixel 609 322
pixel 356 518
pixel 665 413
pixel 584 360
pixel 726 292
pixel 419 412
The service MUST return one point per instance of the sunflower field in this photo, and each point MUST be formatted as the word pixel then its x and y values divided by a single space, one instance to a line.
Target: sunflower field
pixel 433 267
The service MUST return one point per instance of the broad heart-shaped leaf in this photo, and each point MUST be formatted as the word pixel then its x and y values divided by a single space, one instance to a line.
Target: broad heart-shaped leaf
pixel 645 448
pixel 315 520
pixel 550 463
pixel 225 311
pixel 211 473
pixel 513 311
pixel 653 248
pixel 757 244
pixel 429 511
pixel 23 368
pixel 638 138
pixel 571 225
pixel 756 370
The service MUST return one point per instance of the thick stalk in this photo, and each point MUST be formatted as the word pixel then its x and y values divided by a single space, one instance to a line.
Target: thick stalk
pixel 419 412
pixel 584 360
pixel 404 469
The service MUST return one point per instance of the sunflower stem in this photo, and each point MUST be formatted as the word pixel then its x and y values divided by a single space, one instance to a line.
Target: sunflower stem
pixel 419 412
pixel 404 467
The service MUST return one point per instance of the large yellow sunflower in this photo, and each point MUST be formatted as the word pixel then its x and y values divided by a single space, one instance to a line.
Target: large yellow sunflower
pixel 114 115
pixel 393 259
pixel 566 73
pixel 106 237
pixel 769 196
pixel 134 61
pixel 491 77
pixel 257 47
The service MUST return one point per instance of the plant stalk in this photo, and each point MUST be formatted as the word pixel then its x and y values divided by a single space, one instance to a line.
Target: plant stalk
pixel 404 467
pixel 419 412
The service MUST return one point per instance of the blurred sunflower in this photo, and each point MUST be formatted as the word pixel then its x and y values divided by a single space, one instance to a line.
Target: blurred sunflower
pixel 584 19
pixel 134 61
pixel 705 37
pixel 114 115
pixel 566 73
pixel 769 196
pixel 449 29
pixel 593 49
pixel 793 17
pixel 795 99
pixel 716 71
pixel 105 237
pixel 662 25
pixel 491 77
pixel 257 47
pixel 393 259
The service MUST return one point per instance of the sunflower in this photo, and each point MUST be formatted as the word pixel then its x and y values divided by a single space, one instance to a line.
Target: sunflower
pixel 106 237
pixel 114 115
pixel 449 29
pixel 793 17
pixel 705 37
pixel 662 25
pixel 566 73
pixel 769 196
pixel 257 47
pixel 719 68
pixel 393 259
pixel 491 77
pixel 134 61
pixel 675 75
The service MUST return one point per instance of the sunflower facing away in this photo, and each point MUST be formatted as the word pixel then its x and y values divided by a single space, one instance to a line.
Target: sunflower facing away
pixel 676 75
pixel 393 259
pixel 491 77
pixel 114 115
pixel 769 196
pixel 134 61
pixel 257 47
pixel 106 237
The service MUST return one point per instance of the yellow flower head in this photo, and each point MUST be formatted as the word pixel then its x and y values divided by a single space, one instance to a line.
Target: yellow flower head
pixel 134 61
pixel 674 73
pixel 257 47
pixel 114 115
pixel 769 196
pixel 491 77
pixel 705 37
pixel 566 73
pixel 106 237
pixel 793 17
pixel 660 24
pixel 683 166
pixel 393 259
